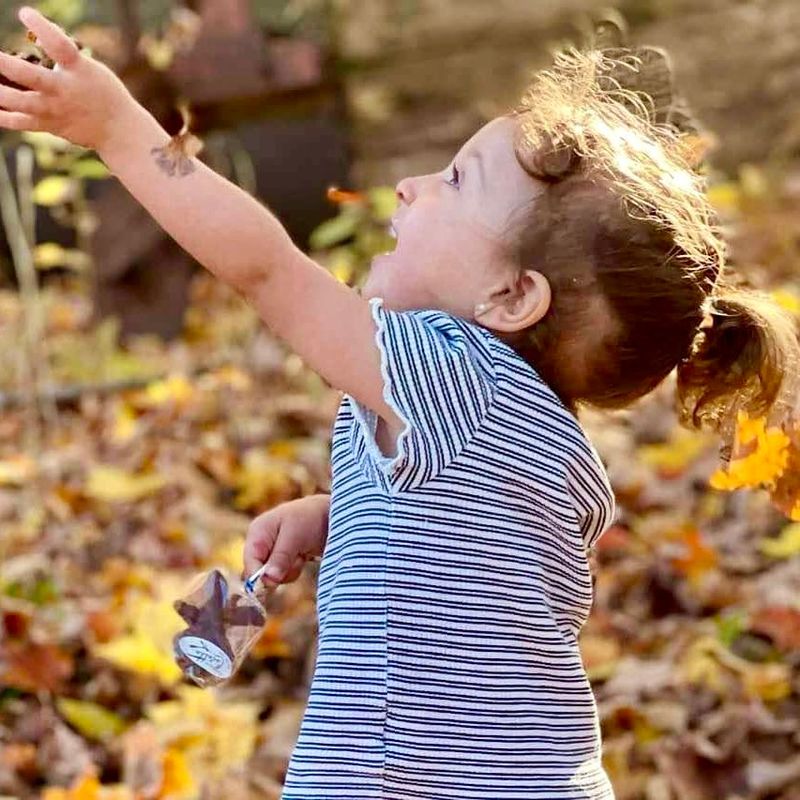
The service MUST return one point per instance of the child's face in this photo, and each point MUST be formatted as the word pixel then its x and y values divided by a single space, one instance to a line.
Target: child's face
pixel 449 226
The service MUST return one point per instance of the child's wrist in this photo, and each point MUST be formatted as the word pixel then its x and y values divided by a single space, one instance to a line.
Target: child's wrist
pixel 131 126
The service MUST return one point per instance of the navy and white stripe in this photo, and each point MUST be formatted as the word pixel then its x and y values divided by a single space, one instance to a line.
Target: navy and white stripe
pixel 454 584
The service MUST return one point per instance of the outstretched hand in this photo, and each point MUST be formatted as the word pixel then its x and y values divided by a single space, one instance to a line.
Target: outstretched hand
pixel 80 99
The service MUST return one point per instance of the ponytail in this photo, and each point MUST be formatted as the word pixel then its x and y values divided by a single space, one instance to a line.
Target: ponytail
pixel 740 380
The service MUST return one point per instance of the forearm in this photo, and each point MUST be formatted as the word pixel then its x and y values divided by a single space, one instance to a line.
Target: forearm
pixel 220 225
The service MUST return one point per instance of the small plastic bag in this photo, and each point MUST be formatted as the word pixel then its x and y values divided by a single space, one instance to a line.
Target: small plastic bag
pixel 224 621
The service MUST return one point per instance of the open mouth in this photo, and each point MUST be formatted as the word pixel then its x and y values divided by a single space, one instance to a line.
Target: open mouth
pixel 390 229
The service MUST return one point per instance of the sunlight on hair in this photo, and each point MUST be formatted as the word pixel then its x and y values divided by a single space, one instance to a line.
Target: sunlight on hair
pixel 577 103
pixel 743 377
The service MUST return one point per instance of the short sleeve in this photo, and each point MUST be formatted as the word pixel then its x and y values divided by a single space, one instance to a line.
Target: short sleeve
pixel 439 377
pixel 592 494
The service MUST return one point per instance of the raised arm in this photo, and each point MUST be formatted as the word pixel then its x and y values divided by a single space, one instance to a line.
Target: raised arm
pixel 226 230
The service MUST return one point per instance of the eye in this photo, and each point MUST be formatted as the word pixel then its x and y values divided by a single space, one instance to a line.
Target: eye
pixel 455 173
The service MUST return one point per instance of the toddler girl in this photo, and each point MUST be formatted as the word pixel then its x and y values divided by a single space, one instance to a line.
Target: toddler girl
pixel 455 577
pixel 565 257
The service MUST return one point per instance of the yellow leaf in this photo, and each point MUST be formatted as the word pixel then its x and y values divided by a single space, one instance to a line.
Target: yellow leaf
pixel 341 263
pixel 214 736
pixel 788 299
pixel 54 190
pixel 230 555
pixel 151 623
pixel 676 454
pixel 786 545
pixel 771 681
pixel 88 787
pixel 139 653
pixel 233 377
pixel 383 200
pixel 283 448
pixel 117 485
pixel 125 424
pixel 644 731
pixel 600 655
pixel 753 180
pixel 725 196
pixel 91 719
pixel 17 470
pixel 177 781
pixel 767 456
pixel 699 665
pixel 173 389
pixel 259 476
pixel 158 52
pixel 49 255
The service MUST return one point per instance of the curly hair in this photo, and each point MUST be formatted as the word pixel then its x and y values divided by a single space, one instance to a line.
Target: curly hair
pixel 625 233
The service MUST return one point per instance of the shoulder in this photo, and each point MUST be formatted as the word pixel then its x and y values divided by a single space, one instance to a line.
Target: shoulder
pixel 437 330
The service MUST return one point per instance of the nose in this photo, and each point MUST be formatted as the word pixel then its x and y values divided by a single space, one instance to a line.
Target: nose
pixel 404 189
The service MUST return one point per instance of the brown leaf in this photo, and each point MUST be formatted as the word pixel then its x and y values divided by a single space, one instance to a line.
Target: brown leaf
pixel 781 623
pixel 33 667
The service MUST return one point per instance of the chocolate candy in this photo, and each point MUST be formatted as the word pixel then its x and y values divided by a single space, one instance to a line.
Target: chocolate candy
pixel 222 627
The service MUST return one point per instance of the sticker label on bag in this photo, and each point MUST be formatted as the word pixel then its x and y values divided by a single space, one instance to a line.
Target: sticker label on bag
pixel 207 655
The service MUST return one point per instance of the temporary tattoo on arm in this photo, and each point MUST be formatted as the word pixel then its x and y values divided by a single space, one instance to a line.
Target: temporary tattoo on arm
pixel 176 155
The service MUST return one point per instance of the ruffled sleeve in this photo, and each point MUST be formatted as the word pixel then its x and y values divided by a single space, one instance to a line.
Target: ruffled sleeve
pixel 439 378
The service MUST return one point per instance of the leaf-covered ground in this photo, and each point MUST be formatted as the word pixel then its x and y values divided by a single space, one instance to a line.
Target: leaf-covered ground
pixel 693 645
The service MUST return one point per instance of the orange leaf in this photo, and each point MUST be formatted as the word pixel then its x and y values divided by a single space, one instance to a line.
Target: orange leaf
pixel 104 624
pixel 33 667
pixel 699 557
pixel 270 643
pixel 85 788
pixel 336 195
pixel 781 623
pixel 615 538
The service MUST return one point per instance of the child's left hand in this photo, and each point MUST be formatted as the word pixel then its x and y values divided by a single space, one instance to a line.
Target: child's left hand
pixel 80 99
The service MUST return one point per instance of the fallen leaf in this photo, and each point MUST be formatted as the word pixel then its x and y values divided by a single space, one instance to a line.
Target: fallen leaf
pixel 214 735
pixel 90 719
pixel 36 667
pixel 17 471
pixel 781 623
pixel 113 484
pixel 769 682
pixel 138 653
pixel 699 558
pixel 785 545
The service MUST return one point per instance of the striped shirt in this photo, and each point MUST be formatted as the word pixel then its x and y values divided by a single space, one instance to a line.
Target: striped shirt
pixel 454 583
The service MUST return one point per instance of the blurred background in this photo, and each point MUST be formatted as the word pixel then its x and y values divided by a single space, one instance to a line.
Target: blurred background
pixel 146 415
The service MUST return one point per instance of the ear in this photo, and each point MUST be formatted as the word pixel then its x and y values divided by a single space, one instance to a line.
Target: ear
pixel 521 307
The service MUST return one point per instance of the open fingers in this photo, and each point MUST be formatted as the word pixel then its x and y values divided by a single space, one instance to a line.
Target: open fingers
pixel 52 39
pixel 14 100
pixel 17 121
pixel 33 76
